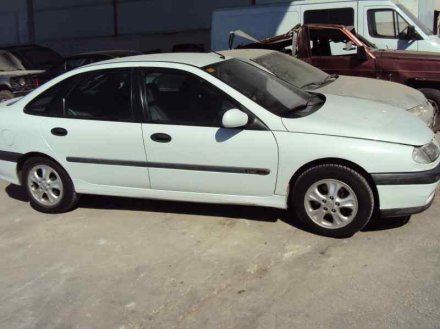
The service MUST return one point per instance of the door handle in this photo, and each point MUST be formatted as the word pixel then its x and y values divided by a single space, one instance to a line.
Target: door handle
pixel 59 132
pixel 161 138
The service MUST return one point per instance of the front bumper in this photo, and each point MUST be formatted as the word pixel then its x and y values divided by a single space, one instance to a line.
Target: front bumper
pixel 403 194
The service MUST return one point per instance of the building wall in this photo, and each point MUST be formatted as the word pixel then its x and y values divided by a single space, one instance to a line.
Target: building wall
pixel 83 25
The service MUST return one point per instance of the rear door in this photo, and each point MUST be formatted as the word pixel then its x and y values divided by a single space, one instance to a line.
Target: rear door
pixel 91 125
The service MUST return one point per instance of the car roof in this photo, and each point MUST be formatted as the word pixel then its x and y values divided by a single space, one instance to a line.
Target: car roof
pixel 193 59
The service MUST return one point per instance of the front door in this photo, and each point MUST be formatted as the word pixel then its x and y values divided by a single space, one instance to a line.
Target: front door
pixel 187 148
pixel 334 52
pixel 92 129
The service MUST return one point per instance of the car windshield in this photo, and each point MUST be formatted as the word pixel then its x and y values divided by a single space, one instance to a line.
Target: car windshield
pixel 416 21
pixel 39 58
pixel 292 70
pixel 9 62
pixel 265 89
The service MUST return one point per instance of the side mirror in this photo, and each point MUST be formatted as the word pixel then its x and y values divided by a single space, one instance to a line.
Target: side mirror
pixel 362 54
pixel 235 119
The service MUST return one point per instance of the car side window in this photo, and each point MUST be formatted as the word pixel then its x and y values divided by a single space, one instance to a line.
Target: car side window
pixel 386 23
pixel 101 95
pixel 180 98
pixel 341 16
pixel 331 42
pixel 50 102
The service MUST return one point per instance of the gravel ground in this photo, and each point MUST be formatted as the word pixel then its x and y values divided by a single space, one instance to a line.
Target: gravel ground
pixel 125 264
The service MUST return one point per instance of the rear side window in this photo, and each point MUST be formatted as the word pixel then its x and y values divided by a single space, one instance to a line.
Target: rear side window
pixel 103 95
pixel 342 16
pixel 50 102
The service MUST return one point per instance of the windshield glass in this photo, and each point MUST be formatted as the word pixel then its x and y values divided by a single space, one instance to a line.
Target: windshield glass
pixel 265 89
pixel 291 70
pixel 39 58
pixel 416 21
pixel 9 62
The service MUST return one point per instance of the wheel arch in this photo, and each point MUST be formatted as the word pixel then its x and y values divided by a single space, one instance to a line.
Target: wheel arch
pixel 22 160
pixel 337 161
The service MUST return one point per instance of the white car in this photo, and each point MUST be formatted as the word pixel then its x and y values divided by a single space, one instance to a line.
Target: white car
pixel 209 128
pixel 310 78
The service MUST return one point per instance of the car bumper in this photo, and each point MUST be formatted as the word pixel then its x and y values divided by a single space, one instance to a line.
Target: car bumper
pixel 403 194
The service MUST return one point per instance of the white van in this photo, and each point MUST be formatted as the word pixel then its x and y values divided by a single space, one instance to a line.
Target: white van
pixel 383 22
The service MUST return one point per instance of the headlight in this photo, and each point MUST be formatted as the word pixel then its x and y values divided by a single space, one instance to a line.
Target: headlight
pixel 425 112
pixel 427 153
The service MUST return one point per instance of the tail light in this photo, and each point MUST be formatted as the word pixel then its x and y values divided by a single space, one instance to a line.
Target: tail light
pixel 36 82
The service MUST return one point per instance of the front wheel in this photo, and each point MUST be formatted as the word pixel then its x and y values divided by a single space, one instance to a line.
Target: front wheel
pixel 48 186
pixel 433 96
pixel 333 200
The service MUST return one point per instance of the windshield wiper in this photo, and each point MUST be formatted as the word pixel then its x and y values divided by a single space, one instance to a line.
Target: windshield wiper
pixel 328 79
pixel 311 84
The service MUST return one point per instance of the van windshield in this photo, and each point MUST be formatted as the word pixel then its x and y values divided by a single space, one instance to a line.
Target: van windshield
pixel 265 89
pixel 416 21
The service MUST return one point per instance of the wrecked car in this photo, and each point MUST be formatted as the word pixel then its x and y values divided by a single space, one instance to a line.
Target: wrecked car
pixel 337 49
pixel 309 78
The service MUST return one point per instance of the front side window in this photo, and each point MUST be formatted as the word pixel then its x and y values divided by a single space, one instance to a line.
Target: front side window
pixel 177 97
pixel 386 23
pixel 102 95
pixel 265 89
pixel 331 42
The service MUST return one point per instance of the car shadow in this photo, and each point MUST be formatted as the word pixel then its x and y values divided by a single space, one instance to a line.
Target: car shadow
pixel 262 214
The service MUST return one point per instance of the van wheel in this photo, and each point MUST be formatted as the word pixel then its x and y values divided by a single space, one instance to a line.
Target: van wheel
pixel 48 186
pixel 333 200
pixel 433 96
pixel 5 95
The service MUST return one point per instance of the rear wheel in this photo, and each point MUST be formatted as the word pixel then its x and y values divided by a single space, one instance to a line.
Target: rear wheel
pixel 5 95
pixel 433 96
pixel 333 200
pixel 48 186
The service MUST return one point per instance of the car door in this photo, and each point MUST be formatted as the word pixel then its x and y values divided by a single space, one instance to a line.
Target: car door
pixel 335 52
pixel 187 148
pixel 92 128
pixel 387 29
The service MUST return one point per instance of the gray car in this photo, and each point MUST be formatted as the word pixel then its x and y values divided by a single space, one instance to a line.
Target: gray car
pixel 15 80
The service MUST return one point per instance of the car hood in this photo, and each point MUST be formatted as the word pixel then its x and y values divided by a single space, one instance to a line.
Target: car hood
pixel 357 118
pixel 376 90
pixel 19 73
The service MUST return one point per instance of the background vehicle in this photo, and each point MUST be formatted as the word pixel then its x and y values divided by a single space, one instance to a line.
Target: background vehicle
pixel 15 80
pixel 74 61
pixel 385 23
pixel 307 77
pixel 35 57
pixel 336 49
pixel 207 128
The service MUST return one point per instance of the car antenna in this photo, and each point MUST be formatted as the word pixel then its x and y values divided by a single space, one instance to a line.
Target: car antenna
pixel 221 55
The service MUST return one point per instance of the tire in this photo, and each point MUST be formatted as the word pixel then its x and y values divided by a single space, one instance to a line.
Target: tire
pixel 333 214
pixel 433 96
pixel 49 187
pixel 5 95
